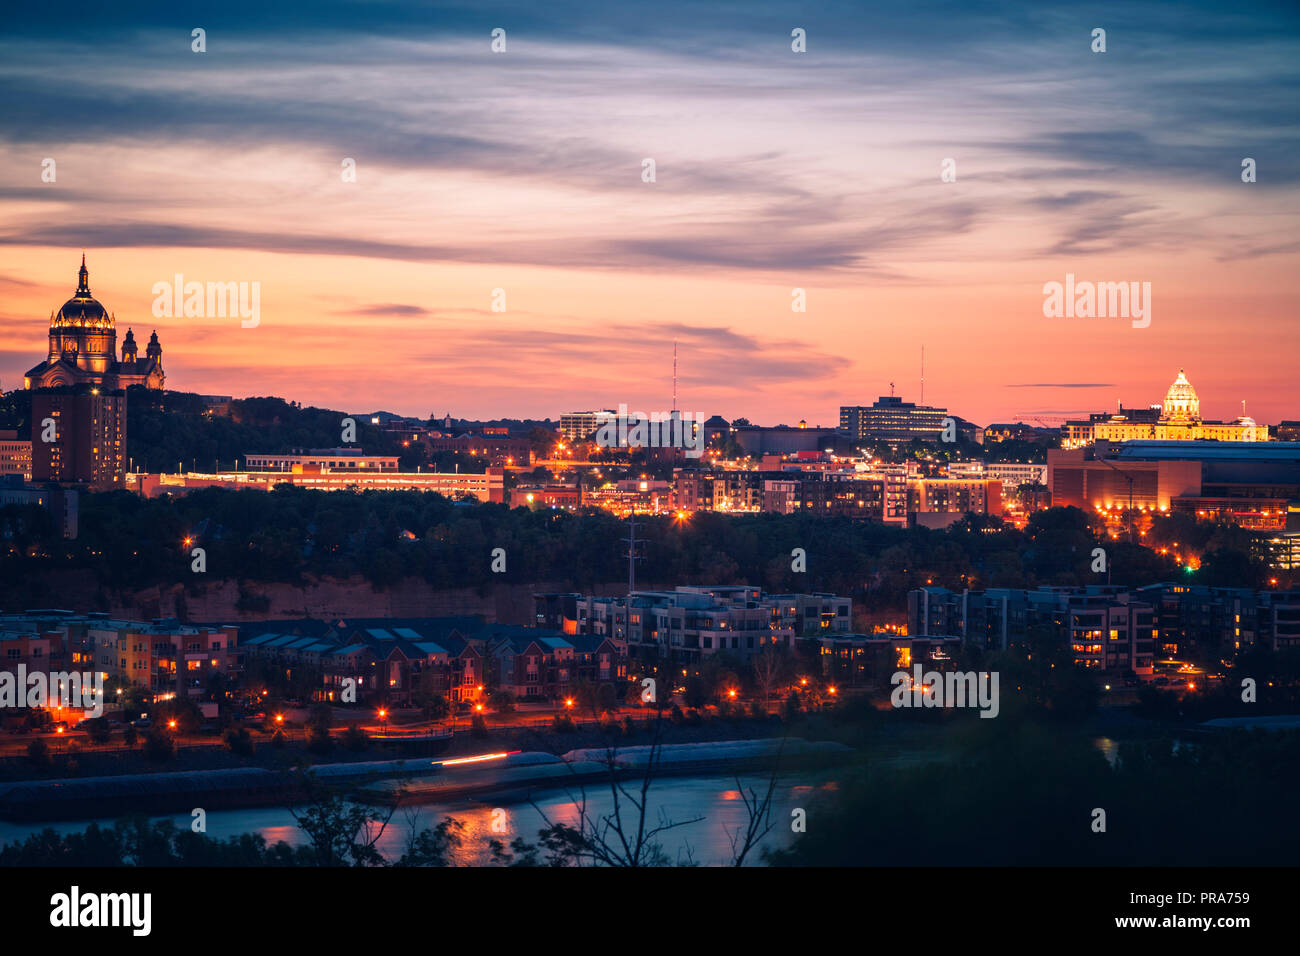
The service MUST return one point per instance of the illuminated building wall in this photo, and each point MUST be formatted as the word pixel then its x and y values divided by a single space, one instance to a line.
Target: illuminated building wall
pixel 90 437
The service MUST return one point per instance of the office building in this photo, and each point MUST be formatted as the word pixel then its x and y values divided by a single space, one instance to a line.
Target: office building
pixel 892 419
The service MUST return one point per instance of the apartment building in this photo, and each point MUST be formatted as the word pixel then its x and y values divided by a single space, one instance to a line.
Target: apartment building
pixel 162 656
pixel 1113 628
pixel 688 623
pixel 462 659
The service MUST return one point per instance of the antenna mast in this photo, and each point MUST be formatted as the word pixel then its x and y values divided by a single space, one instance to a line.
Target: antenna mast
pixel 922 374
pixel 674 375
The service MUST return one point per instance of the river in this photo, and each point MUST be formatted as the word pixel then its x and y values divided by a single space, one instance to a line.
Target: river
pixel 713 799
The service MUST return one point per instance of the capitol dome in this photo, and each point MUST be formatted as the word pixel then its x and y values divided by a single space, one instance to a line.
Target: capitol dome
pixel 1181 403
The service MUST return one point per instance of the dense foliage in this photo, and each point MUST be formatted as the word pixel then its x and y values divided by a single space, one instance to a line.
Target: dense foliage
pixel 290 534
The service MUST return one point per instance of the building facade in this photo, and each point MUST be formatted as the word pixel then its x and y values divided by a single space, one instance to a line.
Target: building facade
pixel 1177 418
pixel 892 419
pixel 688 623
pixel 88 427
pixel 15 455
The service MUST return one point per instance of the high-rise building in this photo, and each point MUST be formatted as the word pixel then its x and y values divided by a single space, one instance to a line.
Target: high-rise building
pixel 892 419
pixel 575 426
pixel 87 428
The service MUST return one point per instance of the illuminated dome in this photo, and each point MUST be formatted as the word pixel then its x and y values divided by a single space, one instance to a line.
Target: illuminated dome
pixel 83 348
pixel 1181 403
pixel 82 310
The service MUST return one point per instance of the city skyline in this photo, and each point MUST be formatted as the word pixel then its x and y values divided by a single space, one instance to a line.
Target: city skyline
pixel 1050 417
pixel 522 171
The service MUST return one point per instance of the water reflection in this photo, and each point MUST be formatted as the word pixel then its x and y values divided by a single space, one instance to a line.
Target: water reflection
pixel 713 804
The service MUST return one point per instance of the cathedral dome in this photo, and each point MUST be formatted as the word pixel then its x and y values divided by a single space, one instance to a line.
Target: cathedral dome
pixel 82 310
pixel 1181 401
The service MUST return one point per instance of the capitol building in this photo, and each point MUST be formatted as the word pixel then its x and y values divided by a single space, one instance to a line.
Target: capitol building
pixel 1177 418
pixel 83 346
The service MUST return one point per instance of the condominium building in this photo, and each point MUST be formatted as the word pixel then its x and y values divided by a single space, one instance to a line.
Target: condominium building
pixel 688 623
pixel 1110 627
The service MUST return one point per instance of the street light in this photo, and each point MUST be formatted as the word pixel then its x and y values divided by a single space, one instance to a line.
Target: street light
pixel 383 721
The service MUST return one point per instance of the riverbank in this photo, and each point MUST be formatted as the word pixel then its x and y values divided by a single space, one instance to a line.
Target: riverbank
pixel 394 781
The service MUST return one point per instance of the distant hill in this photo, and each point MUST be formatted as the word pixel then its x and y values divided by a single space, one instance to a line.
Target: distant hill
pixel 164 428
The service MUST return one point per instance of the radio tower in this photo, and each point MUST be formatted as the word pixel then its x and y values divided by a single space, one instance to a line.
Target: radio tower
pixel 922 375
pixel 674 375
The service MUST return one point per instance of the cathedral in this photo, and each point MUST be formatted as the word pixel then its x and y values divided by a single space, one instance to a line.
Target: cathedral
pixel 83 341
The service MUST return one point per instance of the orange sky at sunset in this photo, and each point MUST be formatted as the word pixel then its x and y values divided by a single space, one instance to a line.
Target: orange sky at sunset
pixel 523 172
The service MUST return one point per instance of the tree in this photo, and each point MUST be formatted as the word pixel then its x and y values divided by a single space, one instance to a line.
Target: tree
pixel 626 836
pixel 793 708
pixel 354 738
pixel 594 697
pixel 99 730
pixel 184 711
pixel 159 745
pixel 433 847
pixel 38 752
pixel 772 667
pixel 342 833
pixel 319 740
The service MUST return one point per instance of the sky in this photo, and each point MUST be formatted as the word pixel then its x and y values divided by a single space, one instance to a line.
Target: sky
pixel 522 171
